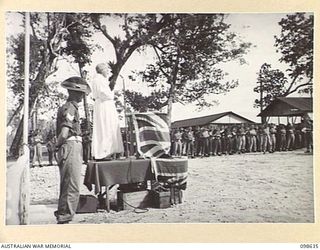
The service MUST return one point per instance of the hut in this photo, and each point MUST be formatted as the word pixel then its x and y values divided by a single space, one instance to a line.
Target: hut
pixel 225 118
pixel 289 107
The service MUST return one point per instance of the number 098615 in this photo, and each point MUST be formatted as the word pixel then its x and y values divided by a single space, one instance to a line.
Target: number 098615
pixel 309 246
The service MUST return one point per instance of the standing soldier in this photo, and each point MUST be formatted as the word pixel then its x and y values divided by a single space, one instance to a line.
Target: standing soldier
pixel 259 130
pixel 228 140
pixel 69 146
pixel 265 138
pixel 253 139
pixel 37 148
pixel 51 144
pixel 223 140
pixel 290 136
pixel 273 132
pixel 184 141
pixel 190 144
pixel 197 141
pixel 31 147
pixel 298 136
pixel 86 140
pixel 248 137
pixel 210 139
pixel 278 137
pixel 177 143
pixel 283 138
pixel 217 142
pixel 241 139
pixel 308 130
pixel 234 140
pixel 205 138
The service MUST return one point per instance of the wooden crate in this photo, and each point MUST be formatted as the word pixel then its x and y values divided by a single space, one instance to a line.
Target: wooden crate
pixel 165 199
pixel 132 200
pixel 87 204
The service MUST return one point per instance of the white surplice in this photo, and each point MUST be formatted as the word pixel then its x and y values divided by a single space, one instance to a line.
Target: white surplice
pixel 106 136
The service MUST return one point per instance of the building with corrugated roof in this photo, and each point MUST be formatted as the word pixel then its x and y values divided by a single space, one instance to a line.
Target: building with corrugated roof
pixel 225 118
pixel 293 107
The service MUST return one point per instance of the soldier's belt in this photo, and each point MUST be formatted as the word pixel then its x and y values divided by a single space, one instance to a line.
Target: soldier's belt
pixel 75 138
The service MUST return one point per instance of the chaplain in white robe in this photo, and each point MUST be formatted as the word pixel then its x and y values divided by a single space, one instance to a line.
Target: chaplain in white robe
pixel 106 135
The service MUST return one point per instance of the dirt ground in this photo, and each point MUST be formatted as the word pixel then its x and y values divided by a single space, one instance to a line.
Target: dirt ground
pixel 245 188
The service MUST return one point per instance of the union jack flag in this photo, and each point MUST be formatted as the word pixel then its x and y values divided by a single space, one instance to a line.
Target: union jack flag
pixel 171 172
pixel 152 134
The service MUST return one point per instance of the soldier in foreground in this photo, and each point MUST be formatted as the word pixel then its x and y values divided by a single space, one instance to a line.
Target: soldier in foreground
pixel 69 149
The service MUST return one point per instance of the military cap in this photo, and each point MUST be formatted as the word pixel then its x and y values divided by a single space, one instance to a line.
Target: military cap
pixel 76 83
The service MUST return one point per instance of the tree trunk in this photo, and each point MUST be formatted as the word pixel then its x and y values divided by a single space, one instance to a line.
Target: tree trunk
pixel 173 84
pixel 14 114
pixel 170 99
pixel 85 102
pixel 17 140
pixel 116 68
pixel 35 88
pixel 169 111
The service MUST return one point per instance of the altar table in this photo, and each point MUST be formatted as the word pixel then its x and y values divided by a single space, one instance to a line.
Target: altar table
pixel 106 173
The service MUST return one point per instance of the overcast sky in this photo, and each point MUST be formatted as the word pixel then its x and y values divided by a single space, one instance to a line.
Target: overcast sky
pixel 259 29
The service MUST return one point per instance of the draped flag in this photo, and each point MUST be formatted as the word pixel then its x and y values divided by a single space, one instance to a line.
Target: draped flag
pixel 171 172
pixel 152 134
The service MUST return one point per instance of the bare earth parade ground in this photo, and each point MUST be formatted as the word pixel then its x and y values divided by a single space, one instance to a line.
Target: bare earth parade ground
pixel 244 188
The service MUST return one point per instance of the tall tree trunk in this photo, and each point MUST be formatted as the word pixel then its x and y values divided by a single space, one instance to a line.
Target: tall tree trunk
pixel 14 114
pixel 17 140
pixel 85 102
pixel 263 119
pixel 115 70
pixel 35 88
pixel 170 103
pixel 173 87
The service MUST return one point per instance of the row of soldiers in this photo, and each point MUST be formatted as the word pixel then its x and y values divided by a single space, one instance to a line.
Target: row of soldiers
pixel 238 139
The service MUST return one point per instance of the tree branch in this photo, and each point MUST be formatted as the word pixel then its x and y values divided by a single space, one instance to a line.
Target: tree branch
pixel 160 48
pixel 34 31
pixel 103 29
pixel 97 25
pixel 131 49
pixel 69 25
pixel 298 87
pixel 150 32
pixel 163 104
pixel 126 26
pixel 123 50
pixel 290 86
pixel 159 58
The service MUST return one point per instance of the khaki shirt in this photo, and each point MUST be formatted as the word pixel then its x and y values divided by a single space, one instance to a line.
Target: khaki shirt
pixel 68 116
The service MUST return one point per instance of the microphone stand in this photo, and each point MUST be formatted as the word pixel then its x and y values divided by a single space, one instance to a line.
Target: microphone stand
pixel 125 117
